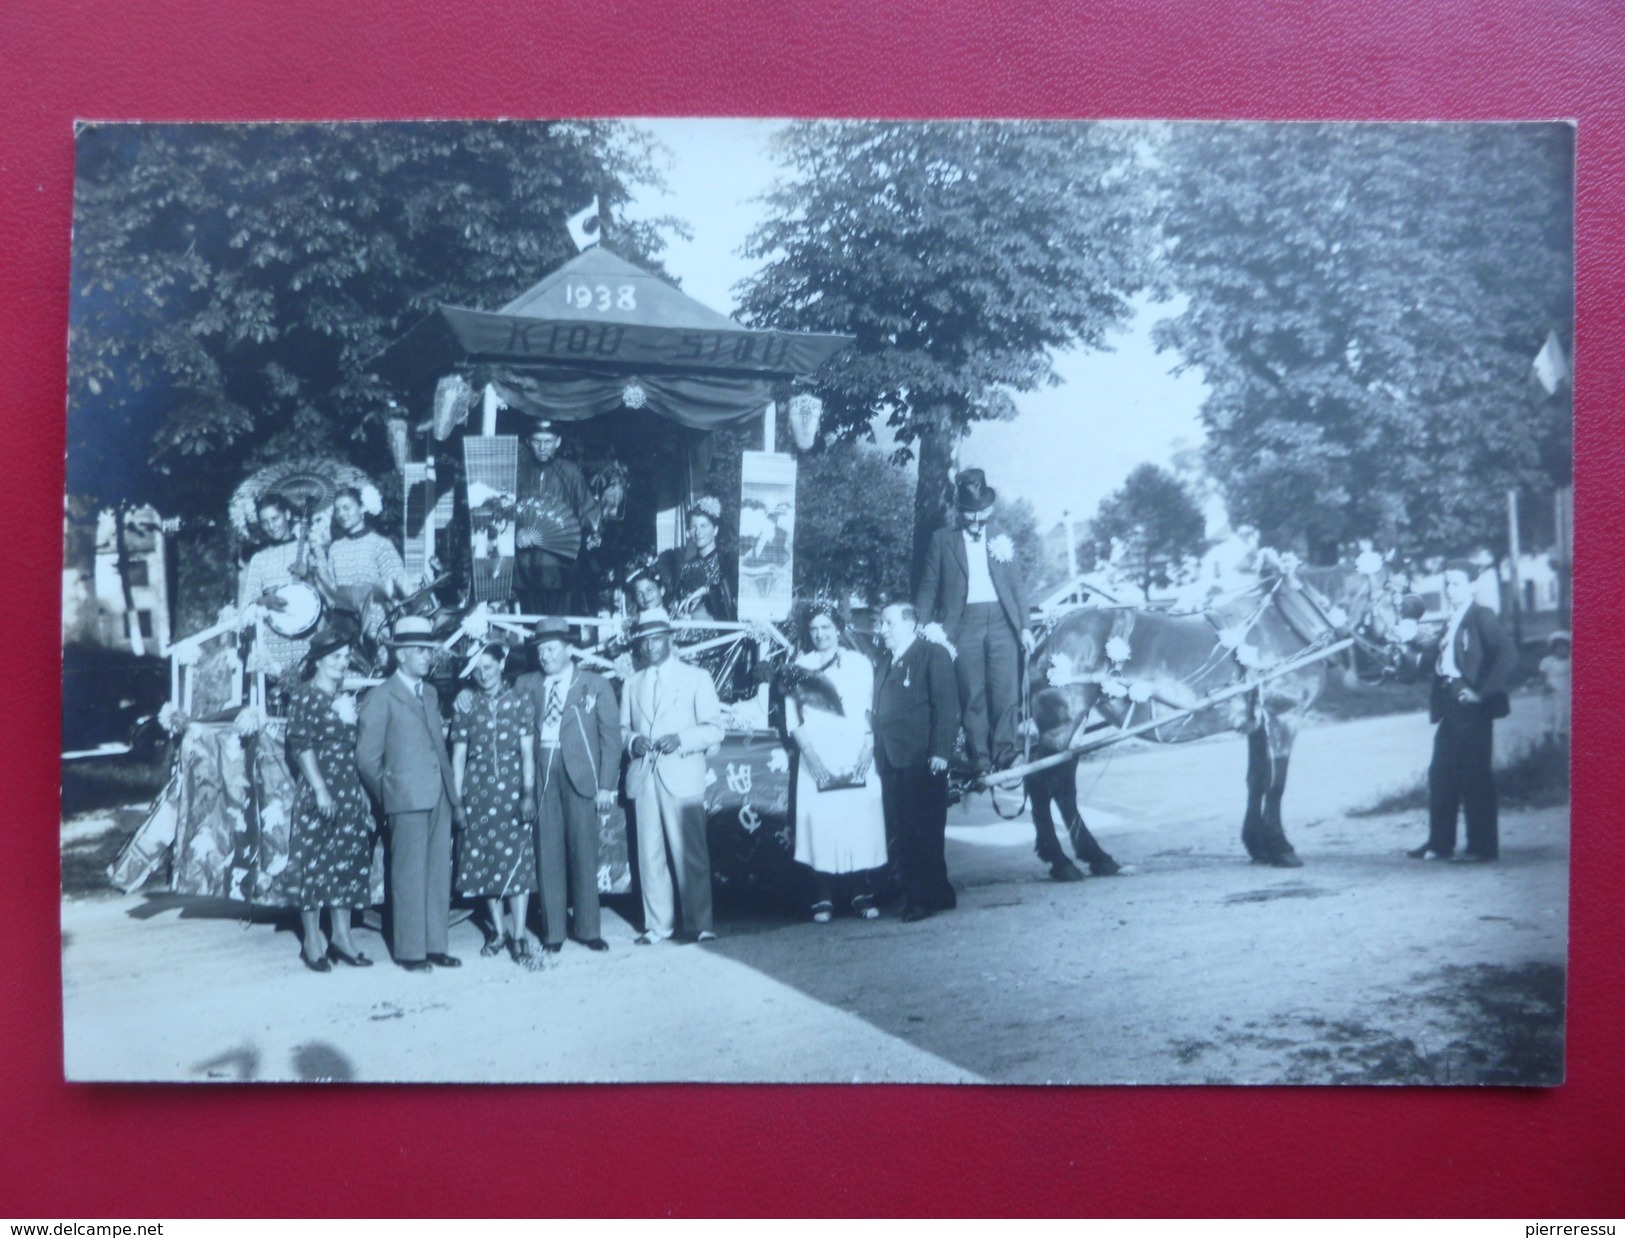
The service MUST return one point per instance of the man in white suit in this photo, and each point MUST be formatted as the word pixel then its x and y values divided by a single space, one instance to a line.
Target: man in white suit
pixel 670 716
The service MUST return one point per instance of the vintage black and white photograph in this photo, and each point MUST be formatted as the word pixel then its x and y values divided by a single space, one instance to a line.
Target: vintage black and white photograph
pixel 1065 602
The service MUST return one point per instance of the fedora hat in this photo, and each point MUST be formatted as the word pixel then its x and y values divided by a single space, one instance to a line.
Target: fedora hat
pixel 412 631
pixel 652 623
pixel 972 493
pixel 548 628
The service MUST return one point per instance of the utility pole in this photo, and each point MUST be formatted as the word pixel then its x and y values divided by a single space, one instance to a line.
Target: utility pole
pixel 1515 549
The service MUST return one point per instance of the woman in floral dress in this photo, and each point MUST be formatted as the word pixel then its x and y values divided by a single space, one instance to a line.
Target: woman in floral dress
pixel 493 761
pixel 331 844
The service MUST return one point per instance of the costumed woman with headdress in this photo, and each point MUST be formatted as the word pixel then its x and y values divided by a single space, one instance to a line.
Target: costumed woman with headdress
pixel 493 763
pixel 840 828
pixel 331 842
pixel 363 570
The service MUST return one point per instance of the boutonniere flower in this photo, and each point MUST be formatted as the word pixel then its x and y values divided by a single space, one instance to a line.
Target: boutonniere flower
pixel 1001 548
pixel 344 707
pixel 589 702
pixel 934 633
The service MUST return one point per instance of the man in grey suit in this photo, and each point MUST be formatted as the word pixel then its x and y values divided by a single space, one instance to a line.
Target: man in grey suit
pixel 401 754
pixel 671 717
pixel 578 763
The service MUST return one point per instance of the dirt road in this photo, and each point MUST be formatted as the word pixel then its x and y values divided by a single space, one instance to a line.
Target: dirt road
pixel 1196 967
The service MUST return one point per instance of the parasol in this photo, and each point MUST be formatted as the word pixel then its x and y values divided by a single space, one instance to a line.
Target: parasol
pixel 309 483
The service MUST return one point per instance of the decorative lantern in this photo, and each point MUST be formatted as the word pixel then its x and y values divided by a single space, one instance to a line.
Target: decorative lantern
pixel 399 448
pixel 806 411
pixel 453 400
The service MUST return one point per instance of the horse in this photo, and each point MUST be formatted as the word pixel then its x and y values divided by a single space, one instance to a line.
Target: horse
pixel 1131 666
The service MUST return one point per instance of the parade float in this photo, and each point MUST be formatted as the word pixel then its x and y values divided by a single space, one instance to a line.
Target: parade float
pixel 641 377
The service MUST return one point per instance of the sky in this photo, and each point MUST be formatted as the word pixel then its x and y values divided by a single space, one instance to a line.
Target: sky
pixel 1069 446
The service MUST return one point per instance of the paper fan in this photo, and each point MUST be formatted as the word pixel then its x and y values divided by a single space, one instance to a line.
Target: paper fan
pixel 309 484
pixel 556 528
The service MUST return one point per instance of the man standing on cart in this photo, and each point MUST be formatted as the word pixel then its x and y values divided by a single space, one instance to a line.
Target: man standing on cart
pixel 557 513
pixel 972 588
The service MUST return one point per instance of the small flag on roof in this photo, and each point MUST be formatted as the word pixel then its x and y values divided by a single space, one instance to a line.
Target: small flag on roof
pixel 586 228
pixel 1550 365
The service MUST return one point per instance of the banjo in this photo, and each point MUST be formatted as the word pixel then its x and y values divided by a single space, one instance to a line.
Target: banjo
pixel 293 610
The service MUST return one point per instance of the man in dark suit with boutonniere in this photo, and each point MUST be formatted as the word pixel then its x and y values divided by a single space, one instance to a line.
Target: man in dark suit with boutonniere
pixel 402 758
pixel 1470 679
pixel 972 588
pixel 916 715
pixel 578 764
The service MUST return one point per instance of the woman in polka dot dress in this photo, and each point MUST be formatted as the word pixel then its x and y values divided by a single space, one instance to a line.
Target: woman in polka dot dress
pixel 331 842
pixel 493 760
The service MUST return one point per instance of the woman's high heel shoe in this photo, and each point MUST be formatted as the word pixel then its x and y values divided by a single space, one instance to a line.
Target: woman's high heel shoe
pixel 320 964
pixel 357 959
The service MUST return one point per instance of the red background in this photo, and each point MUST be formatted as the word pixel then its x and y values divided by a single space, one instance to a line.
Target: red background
pixel 284 1150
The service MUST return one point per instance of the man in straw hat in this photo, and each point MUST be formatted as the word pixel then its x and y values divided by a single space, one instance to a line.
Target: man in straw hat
pixel 971 587
pixel 401 754
pixel 670 717
pixel 1470 678
pixel 578 763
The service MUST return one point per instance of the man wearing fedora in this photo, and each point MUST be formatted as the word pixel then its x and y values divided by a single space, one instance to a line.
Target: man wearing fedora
pixel 971 587
pixel 402 758
pixel 671 718
pixel 578 763
pixel 556 510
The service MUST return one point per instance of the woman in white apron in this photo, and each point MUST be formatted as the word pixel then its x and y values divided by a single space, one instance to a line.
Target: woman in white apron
pixel 840 831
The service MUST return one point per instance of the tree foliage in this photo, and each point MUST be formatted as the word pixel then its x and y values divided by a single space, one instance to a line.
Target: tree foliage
pixel 960 256
pixel 1153 524
pixel 853 523
pixel 231 283
pixel 1365 302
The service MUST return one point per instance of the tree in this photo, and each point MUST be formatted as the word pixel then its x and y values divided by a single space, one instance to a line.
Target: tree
pixel 1365 302
pixel 1017 520
pixel 1154 524
pixel 233 282
pixel 853 523
pixel 960 256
